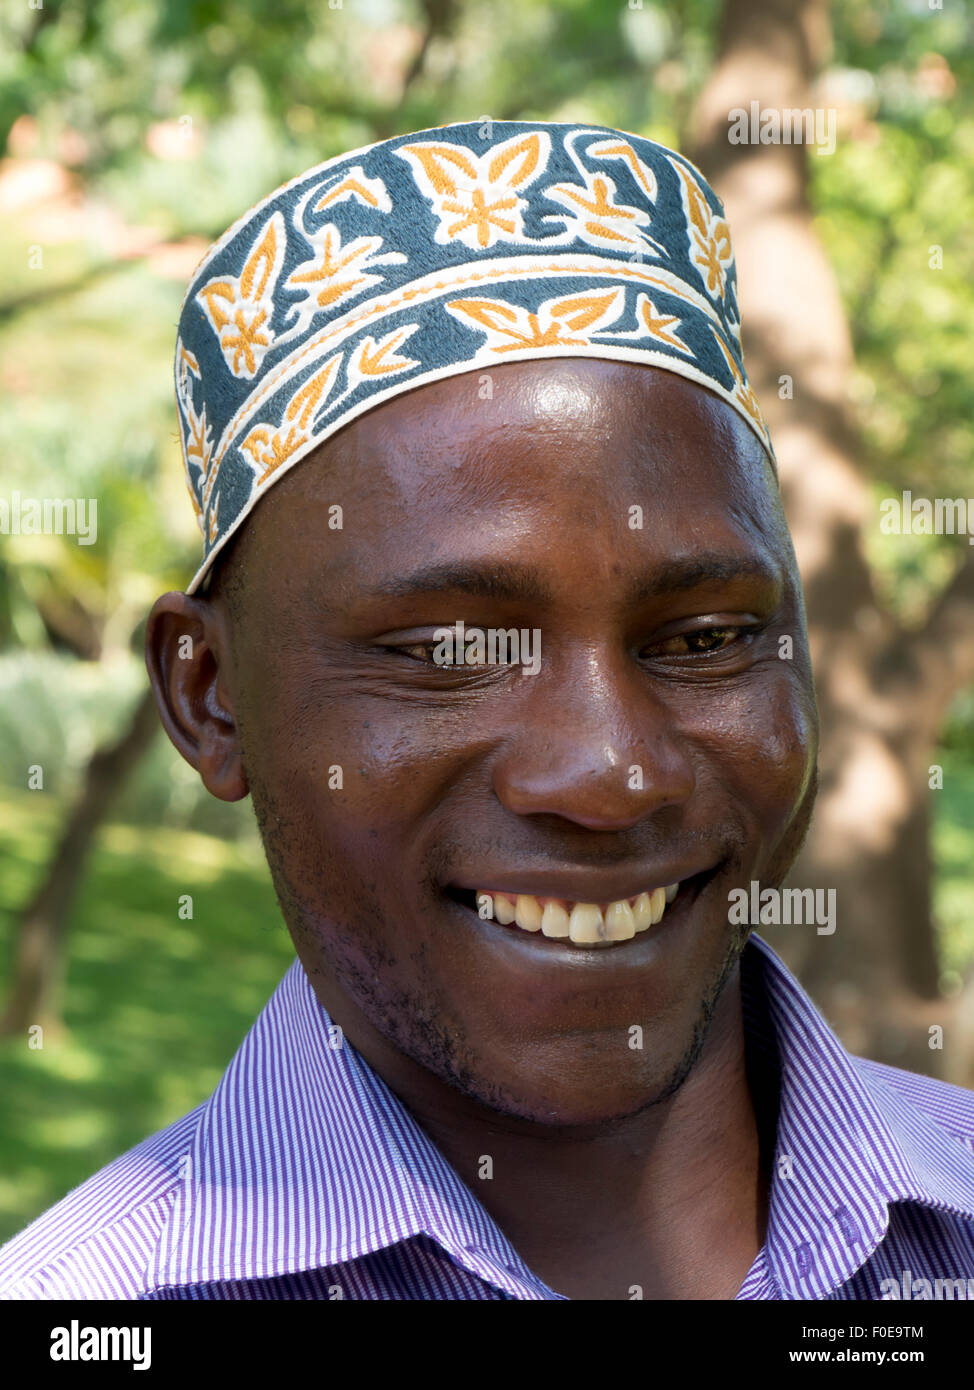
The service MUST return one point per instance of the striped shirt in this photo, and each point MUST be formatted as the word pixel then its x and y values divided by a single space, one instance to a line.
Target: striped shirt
pixel 303 1176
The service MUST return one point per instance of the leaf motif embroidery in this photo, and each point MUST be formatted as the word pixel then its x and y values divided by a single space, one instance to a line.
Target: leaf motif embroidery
pixel 567 321
pixel 371 193
pixel 239 308
pixel 335 273
pixel 743 393
pixel 659 326
pixel 600 218
pixel 374 359
pixel 708 236
pixel 476 198
pixel 621 149
pixel 598 215
pixel 526 150
pixel 268 448
pixel 213 528
pixel 196 436
pixel 440 164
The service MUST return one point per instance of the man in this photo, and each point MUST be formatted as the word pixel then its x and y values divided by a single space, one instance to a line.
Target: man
pixel 498 657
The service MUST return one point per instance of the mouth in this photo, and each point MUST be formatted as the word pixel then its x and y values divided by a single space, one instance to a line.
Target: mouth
pixel 585 925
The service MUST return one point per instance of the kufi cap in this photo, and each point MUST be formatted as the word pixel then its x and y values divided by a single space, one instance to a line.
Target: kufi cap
pixel 445 251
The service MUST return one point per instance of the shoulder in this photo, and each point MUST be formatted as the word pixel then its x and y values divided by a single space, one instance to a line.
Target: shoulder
pixel 98 1241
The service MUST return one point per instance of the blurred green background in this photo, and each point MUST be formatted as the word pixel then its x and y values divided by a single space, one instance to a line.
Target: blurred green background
pixel 133 134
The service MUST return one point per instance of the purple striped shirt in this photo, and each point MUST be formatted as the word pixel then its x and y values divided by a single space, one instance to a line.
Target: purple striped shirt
pixel 303 1176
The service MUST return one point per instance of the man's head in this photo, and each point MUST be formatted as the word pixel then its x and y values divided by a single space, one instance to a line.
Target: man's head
pixel 607 485
pixel 662 740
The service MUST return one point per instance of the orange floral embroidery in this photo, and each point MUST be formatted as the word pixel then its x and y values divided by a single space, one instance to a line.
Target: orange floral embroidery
pixel 197 438
pixel 372 193
pixel 268 448
pixel 376 308
pixel 743 393
pixel 476 198
pixel 621 149
pixel 568 321
pixel 601 216
pixel 662 327
pixel 213 530
pixel 239 308
pixel 598 215
pixel 710 236
pixel 381 358
pixel 336 272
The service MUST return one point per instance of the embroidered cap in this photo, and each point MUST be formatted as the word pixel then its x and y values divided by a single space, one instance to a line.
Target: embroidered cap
pixel 445 251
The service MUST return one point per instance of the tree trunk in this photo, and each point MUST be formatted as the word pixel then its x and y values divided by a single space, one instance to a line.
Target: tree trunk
pixel 883 693
pixel 42 929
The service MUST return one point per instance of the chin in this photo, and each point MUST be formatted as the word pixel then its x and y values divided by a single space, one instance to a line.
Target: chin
pixel 594 1096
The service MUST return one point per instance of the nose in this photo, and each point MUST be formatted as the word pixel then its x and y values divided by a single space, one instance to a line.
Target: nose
pixel 595 744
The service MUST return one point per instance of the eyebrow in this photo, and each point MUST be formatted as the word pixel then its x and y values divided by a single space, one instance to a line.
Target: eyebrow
pixel 517 584
pixel 703 567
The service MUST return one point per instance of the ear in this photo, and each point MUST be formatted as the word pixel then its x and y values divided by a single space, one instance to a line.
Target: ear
pixel 187 654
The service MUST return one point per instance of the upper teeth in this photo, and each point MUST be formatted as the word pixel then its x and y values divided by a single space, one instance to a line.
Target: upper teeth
pixel 585 924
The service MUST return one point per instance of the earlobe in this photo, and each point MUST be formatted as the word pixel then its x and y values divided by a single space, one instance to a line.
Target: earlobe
pixel 187 655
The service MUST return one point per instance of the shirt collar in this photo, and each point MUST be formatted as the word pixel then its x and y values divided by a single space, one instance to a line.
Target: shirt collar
pixel 849 1142
pixel 304 1158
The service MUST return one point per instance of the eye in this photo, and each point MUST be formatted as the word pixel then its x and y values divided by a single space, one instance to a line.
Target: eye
pixel 442 656
pixel 705 642
pixel 420 651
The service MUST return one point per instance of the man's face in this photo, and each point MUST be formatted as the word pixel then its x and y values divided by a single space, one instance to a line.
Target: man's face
pixel 668 736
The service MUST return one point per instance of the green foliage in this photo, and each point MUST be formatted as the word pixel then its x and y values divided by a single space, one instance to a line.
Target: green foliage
pixel 157 123
pixel 175 117
pixel 156 1005
pixel 901 185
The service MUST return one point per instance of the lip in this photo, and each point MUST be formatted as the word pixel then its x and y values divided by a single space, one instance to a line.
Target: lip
pixel 579 885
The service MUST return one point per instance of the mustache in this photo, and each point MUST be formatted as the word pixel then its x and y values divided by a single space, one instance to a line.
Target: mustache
pixel 588 849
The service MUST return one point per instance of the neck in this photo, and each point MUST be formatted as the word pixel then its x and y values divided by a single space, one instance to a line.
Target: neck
pixel 670 1202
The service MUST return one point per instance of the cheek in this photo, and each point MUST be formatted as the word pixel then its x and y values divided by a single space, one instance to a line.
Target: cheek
pixel 766 746
pixel 358 773
pixel 783 752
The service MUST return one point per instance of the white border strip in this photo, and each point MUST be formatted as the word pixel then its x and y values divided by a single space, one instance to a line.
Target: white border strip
pixel 472 277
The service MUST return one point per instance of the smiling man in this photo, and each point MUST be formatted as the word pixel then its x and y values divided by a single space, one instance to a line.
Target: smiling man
pixel 491 375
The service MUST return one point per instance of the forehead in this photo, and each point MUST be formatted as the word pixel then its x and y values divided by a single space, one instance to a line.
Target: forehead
pixel 534 454
pixel 586 418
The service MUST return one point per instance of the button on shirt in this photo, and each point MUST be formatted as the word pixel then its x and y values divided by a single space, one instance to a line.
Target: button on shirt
pixel 303 1176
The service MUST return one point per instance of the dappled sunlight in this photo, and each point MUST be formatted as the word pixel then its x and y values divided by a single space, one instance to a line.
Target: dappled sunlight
pixel 78 1130
pixel 870 802
pixel 185 855
pixel 67 1058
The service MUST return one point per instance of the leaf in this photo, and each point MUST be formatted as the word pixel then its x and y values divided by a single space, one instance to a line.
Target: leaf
pixel 437 160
